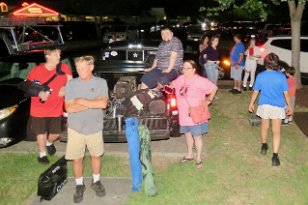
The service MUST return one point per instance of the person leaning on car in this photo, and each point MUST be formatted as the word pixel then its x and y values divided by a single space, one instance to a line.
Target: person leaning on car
pixel 167 64
pixel 46 109
pixel 85 98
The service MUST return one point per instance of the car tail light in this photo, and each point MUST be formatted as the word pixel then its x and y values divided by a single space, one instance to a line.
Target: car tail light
pixel 172 104
pixel 262 52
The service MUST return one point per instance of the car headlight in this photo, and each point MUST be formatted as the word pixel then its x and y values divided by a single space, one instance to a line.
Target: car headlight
pixel 5 112
pixel 226 62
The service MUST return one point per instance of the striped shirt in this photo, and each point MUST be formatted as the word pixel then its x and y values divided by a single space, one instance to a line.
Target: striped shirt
pixel 164 53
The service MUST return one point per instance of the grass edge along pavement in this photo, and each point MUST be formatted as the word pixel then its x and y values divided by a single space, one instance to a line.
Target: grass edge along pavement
pixel 234 171
pixel 20 172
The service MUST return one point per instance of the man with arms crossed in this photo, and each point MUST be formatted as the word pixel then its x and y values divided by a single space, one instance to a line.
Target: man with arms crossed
pixel 85 98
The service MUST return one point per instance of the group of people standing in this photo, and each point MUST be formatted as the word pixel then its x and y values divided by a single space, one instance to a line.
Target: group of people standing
pixel 209 60
pixel 84 98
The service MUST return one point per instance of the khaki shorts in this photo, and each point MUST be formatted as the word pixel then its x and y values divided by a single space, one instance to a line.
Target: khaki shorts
pixel 77 143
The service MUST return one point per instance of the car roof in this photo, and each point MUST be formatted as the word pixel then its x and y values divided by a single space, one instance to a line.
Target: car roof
pixel 38 55
pixel 284 37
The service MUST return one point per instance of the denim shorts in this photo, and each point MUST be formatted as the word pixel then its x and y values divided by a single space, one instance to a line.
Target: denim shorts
pixel 155 76
pixel 236 74
pixel 195 130
pixel 211 72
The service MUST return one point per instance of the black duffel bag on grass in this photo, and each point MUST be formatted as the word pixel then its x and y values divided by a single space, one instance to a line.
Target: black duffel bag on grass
pixel 52 180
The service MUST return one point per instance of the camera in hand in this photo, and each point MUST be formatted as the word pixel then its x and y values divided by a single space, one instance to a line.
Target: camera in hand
pixel 33 88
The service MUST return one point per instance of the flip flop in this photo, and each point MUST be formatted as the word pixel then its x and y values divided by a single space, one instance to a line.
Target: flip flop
pixel 185 159
pixel 199 164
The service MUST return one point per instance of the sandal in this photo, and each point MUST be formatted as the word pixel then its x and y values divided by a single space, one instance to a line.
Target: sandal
pixel 185 159
pixel 199 164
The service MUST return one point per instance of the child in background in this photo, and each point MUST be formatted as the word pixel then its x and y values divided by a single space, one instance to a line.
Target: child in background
pixel 290 72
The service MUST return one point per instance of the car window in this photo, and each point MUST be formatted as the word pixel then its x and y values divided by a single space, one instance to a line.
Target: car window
pixel 3 48
pixel 286 44
pixel 5 69
pixel 304 45
pixel 118 29
pixel 11 70
pixel 282 43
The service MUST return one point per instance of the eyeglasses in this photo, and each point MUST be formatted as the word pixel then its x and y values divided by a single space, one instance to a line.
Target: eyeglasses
pixel 89 59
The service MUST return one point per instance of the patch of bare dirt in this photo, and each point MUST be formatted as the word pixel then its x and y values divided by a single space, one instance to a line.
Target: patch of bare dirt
pixel 302 97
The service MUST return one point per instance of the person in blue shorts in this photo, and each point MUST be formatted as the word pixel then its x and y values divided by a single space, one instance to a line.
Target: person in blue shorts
pixel 237 63
pixel 273 88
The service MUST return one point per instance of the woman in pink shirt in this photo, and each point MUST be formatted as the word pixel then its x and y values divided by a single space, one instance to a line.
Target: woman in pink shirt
pixel 192 89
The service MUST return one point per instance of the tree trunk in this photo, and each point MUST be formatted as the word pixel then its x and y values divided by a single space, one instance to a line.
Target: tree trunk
pixel 296 13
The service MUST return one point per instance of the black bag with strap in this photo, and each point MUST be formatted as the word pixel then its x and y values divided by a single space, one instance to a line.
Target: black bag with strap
pixel 32 89
pixel 51 181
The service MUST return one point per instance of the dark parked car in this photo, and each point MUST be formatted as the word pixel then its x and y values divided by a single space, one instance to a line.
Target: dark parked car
pixel 122 64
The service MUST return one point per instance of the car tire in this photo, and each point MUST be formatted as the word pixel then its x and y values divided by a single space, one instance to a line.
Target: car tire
pixel 175 129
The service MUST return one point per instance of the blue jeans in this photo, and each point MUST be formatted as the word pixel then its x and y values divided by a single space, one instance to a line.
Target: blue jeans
pixel 211 72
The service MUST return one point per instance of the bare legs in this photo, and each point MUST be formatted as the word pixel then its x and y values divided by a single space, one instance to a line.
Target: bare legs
pixel 42 138
pixel 238 84
pixel 276 127
pixel 189 145
pixel 78 166
pixel 190 140
pixel 199 146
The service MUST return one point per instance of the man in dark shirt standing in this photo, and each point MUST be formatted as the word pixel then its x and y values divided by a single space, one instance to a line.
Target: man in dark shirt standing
pixel 167 64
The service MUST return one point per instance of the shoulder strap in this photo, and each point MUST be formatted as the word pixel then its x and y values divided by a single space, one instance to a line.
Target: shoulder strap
pixel 58 72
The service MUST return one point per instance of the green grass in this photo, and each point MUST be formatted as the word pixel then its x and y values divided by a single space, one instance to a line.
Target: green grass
pixel 19 174
pixel 234 171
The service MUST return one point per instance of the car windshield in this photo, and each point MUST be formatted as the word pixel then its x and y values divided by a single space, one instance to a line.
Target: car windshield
pixel 118 29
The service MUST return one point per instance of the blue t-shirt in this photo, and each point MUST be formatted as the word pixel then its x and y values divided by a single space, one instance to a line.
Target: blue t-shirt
pixel 272 85
pixel 235 54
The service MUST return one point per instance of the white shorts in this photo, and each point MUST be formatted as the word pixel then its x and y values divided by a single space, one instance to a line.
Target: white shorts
pixel 271 112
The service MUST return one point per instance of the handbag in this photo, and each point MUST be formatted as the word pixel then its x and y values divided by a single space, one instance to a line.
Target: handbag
pixel 52 180
pixel 199 114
